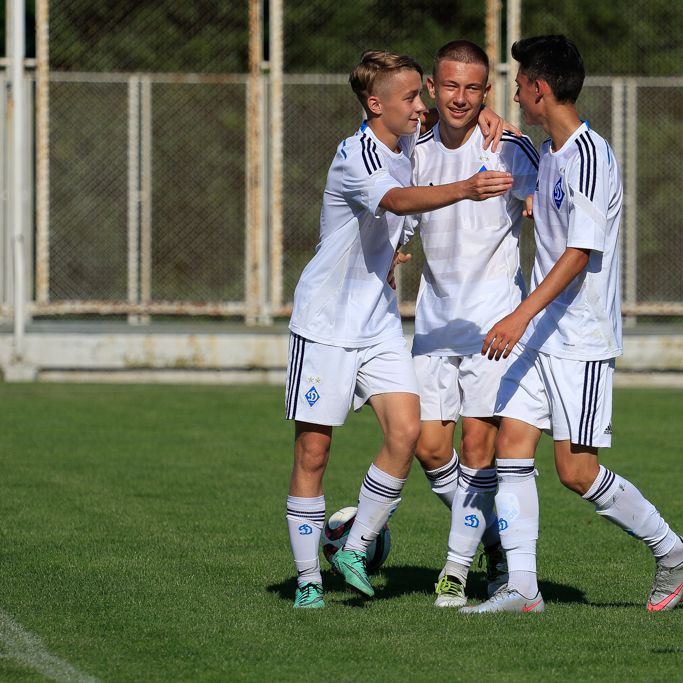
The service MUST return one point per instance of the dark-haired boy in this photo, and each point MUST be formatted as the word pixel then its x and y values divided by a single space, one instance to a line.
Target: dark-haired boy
pixel 569 334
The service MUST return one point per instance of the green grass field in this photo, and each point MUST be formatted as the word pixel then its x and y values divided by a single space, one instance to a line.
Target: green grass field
pixel 143 539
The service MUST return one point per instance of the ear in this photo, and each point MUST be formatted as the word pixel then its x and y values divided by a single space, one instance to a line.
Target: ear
pixel 374 105
pixel 430 87
pixel 487 89
pixel 542 89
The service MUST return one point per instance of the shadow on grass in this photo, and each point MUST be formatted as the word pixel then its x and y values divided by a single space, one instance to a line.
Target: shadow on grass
pixel 395 581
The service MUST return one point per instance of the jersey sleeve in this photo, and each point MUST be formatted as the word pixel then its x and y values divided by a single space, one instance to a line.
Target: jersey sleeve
pixel 366 179
pixel 587 180
pixel 520 157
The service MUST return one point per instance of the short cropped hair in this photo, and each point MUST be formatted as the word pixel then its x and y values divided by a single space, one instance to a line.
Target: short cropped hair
pixel 462 51
pixel 554 59
pixel 375 65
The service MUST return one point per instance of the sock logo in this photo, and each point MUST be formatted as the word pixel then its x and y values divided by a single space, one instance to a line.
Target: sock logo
pixel 502 524
pixel 472 521
pixel 312 396
pixel 305 530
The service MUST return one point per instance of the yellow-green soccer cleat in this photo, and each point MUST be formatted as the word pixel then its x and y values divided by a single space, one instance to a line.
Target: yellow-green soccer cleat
pixel 309 596
pixel 450 592
pixel 351 565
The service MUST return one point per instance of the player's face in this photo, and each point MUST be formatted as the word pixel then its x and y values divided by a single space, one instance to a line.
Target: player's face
pixel 459 91
pixel 526 96
pixel 401 103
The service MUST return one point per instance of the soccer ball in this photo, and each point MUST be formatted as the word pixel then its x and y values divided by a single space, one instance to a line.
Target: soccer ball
pixel 337 529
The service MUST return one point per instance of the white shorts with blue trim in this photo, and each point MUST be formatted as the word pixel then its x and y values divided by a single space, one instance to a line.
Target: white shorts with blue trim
pixel 458 386
pixel 568 399
pixel 323 381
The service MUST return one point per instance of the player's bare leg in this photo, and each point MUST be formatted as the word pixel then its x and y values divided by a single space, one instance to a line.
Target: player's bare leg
pixel 517 507
pixel 471 514
pixel 399 417
pixel 438 458
pixel 616 499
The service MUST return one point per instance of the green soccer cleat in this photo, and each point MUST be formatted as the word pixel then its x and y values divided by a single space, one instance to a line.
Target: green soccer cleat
pixel 450 592
pixel 309 596
pixel 667 589
pixel 351 565
pixel 496 568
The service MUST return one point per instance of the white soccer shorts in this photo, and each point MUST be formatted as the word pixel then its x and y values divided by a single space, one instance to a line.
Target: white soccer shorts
pixel 323 381
pixel 568 399
pixel 453 386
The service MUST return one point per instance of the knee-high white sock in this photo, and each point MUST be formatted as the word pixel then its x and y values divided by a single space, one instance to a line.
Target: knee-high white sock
pixel 305 521
pixel 472 507
pixel 444 480
pixel 379 495
pixel 518 521
pixel 616 499
pixel 491 535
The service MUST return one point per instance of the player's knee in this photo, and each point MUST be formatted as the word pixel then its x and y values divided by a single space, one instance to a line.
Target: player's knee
pixel 404 436
pixel 475 452
pixel 311 457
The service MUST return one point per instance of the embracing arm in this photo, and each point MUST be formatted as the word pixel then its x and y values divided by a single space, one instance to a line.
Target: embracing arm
pixel 507 332
pixel 406 200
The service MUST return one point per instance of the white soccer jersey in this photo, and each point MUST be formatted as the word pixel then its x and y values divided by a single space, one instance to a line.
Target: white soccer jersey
pixel 343 297
pixel 471 276
pixel 578 204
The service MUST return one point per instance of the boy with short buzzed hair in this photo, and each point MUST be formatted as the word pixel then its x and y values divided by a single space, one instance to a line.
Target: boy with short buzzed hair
pixel 346 344
pixel 470 279
pixel 569 334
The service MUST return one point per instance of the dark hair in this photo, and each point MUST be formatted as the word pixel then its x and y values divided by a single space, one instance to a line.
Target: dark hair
pixel 554 59
pixel 462 51
pixel 374 66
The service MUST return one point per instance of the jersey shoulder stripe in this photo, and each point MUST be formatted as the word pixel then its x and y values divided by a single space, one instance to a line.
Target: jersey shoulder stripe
pixel 426 137
pixel 369 152
pixel 525 144
pixel 589 164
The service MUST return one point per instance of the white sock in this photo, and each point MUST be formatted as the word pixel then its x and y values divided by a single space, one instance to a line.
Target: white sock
pixel 379 495
pixel 491 536
pixel 518 521
pixel 444 480
pixel 622 503
pixel 472 507
pixel 305 521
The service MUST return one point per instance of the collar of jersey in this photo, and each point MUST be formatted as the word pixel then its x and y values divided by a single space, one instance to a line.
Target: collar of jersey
pixel 458 150
pixel 570 140
pixel 365 128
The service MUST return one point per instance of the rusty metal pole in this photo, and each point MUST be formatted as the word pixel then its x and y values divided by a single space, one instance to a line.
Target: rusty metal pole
pixel 16 25
pixel 276 162
pixel 514 22
pixel 493 49
pixel 42 152
pixel 254 223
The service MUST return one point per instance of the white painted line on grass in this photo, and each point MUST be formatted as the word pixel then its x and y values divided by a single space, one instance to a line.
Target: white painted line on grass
pixel 24 647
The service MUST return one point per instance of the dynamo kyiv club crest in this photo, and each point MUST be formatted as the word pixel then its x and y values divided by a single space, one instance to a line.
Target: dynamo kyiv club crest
pixel 558 193
pixel 312 396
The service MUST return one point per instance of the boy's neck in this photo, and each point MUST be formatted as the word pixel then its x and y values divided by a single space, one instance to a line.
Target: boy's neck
pixel 561 123
pixel 452 138
pixel 383 134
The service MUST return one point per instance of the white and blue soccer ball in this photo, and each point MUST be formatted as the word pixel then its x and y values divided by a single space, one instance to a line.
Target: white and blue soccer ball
pixel 337 529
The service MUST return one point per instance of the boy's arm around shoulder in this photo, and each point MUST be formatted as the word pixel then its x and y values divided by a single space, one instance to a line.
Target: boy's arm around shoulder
pixel 406 200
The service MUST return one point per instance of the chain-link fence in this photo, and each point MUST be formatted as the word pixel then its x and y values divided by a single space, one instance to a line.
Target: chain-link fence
pixel 182 148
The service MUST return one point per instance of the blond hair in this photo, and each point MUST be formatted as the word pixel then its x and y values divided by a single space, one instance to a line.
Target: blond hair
pixel 374 67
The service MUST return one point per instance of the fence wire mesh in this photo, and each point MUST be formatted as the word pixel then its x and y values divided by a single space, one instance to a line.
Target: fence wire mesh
pixel 148 104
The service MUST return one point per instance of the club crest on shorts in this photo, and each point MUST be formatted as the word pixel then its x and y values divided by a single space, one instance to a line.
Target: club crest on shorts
pixel 558 193
pixel 312 396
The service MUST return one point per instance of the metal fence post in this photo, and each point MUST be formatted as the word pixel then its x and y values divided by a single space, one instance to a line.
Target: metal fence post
pixel 133 192
pixel 630 195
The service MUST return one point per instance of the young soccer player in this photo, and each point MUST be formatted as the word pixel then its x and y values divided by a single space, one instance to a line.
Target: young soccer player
pixel 347 345
pixel 471 278
pixel 560 377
